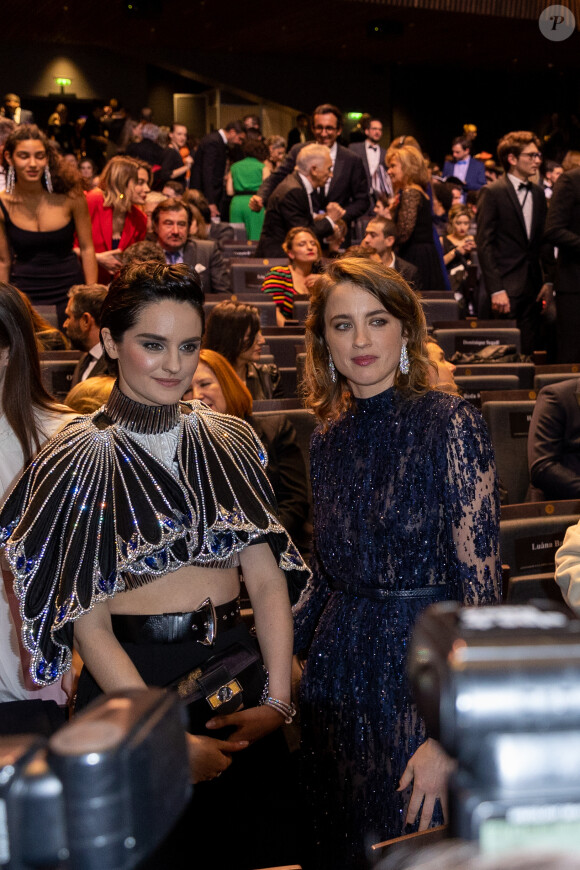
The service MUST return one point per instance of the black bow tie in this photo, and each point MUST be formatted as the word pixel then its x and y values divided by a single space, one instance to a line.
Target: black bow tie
pixel 524 185
pixel 373 147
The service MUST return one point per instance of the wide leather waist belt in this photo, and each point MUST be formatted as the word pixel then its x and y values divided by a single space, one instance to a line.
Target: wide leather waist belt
pixel 201 625
pixel 375 593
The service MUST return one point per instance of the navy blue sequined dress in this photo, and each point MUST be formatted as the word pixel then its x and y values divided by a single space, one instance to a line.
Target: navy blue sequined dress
pixel 406 514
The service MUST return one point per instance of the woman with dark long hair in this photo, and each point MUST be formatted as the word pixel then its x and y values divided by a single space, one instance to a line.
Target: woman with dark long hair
pixel 406 514
pixel 41 210
pixel 128 534
pixel 233 329
pixel 28 417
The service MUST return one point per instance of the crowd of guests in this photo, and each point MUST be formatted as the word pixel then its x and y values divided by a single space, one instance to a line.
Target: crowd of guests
pixel 403 509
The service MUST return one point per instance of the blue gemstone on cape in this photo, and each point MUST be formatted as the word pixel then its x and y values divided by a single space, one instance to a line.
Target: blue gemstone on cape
pixel 20 563
pixel 221 543
pixel 62 612
pixel 41 668
pixel 31 563
pixel 156 561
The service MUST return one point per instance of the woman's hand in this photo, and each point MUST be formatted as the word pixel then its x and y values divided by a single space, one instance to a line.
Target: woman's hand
pixel 208 757
pixel 250 724
pixel 109 260
pixel 428 769
pixel 310 281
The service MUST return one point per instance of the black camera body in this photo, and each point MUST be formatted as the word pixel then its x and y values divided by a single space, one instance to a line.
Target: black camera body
pixel 499 687
pixel 102 792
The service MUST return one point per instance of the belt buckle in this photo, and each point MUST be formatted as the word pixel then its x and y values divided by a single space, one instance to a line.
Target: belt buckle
pixel 224 694
pixel 210 624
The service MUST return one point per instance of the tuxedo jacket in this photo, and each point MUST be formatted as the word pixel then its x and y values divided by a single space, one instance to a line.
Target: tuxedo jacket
pixel 409 272
pixel 475 177
pixel 288 207
pixel 209 166
pixel 348 186
pixel 99 368
pixel 554 440
pixel 508 259
pixel 563 230
pixel 206 259
pixel 359 148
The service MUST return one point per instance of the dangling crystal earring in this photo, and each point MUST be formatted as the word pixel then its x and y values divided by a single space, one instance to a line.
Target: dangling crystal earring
pixel 10 180
pixel 331 368
pixel 404 360
pixel 48 179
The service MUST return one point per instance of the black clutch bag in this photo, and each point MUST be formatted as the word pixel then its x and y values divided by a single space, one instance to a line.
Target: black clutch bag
pixel 225 683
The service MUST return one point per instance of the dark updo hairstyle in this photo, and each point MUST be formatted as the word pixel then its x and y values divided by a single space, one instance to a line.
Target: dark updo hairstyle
pixel 64 177
pixel 329 399
pixel 144 284
pixel 227 326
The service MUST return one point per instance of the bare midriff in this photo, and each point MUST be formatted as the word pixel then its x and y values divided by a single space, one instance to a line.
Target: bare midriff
pixel 179 592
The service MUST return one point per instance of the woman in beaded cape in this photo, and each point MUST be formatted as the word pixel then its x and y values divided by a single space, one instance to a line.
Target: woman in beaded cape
pixel 133 523
pixel 405 515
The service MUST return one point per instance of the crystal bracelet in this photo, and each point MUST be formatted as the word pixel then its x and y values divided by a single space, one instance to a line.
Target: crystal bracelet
pixel 288 711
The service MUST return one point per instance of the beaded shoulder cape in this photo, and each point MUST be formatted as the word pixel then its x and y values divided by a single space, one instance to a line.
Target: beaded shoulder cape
pixel 97 513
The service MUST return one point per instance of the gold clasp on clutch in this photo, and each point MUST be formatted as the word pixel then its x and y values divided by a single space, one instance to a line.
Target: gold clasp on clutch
pixel 224 694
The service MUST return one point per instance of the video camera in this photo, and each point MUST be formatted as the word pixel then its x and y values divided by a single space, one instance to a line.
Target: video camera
pixel 499 687
pixel 102 792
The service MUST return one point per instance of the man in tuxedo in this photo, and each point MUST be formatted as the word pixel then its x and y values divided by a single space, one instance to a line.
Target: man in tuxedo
pixel 563 231
pixel 464 167
pixel 209 167
pixel 296 202
pixel 172 222
pixel 83 327
pixel 511 214
pixel 554 441
pixel 346 185
pixel 373 158
pixel 380 236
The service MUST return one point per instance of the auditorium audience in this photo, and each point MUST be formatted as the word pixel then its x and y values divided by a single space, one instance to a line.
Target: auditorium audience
pixel 209 168
pixel 242 182
pixel 381 236
pixel 233 329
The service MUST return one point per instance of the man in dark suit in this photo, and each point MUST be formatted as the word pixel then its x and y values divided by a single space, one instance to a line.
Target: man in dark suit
pixel 11 109
pixel 294 202
pixel 209 166
pixel 172 222
pixel 464 167
pixel 83 328
pixel 381 236
pixel 563 230
pixel 300 134
pixel 347 185
pixel 373 158
pixel 511 214
pixel 554 441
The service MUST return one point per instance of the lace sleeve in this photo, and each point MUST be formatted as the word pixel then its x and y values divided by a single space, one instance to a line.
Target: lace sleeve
pixel 407 214
pixel 472 506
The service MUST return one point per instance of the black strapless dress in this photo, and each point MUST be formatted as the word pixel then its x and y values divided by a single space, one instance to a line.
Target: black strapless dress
pixel 43 263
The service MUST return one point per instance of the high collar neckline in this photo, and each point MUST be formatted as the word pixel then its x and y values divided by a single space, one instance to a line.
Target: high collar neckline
pixel 139 418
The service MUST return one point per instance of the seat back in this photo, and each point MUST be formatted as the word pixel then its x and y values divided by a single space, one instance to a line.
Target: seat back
pixel 523 371
pixel 440 309
pixel 285 348
pixel 466 340
pixel 57 376
pixel 251 273
pixel 508 423
pixel 545 379
pixel 471 386
pixel 305 423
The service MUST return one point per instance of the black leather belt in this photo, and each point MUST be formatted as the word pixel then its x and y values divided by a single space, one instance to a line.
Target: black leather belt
pixel 201 625
pixel 438 592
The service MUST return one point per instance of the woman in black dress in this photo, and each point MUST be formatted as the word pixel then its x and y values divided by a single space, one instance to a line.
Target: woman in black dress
pixel 41 210
pixel 411 212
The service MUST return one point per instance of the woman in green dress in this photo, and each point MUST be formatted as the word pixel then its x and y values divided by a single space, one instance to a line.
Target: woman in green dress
pixel 242 182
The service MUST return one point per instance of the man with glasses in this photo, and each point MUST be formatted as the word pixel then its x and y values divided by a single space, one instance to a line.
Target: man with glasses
pixel 511 214
pixel 347 185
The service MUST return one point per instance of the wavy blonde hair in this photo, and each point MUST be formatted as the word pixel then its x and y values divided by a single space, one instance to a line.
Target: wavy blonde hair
pixel 329 399
pixel 114 182
pixel 413 164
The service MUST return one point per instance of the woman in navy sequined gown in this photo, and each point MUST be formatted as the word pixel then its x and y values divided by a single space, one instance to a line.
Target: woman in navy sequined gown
pixel 406 514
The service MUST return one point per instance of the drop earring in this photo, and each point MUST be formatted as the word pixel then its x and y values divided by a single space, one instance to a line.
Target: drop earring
pixel 404 360
pixel 10 180
pixel 48 179
pixel 331 368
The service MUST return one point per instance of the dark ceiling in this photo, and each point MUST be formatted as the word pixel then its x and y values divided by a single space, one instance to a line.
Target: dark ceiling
pixel 396 32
